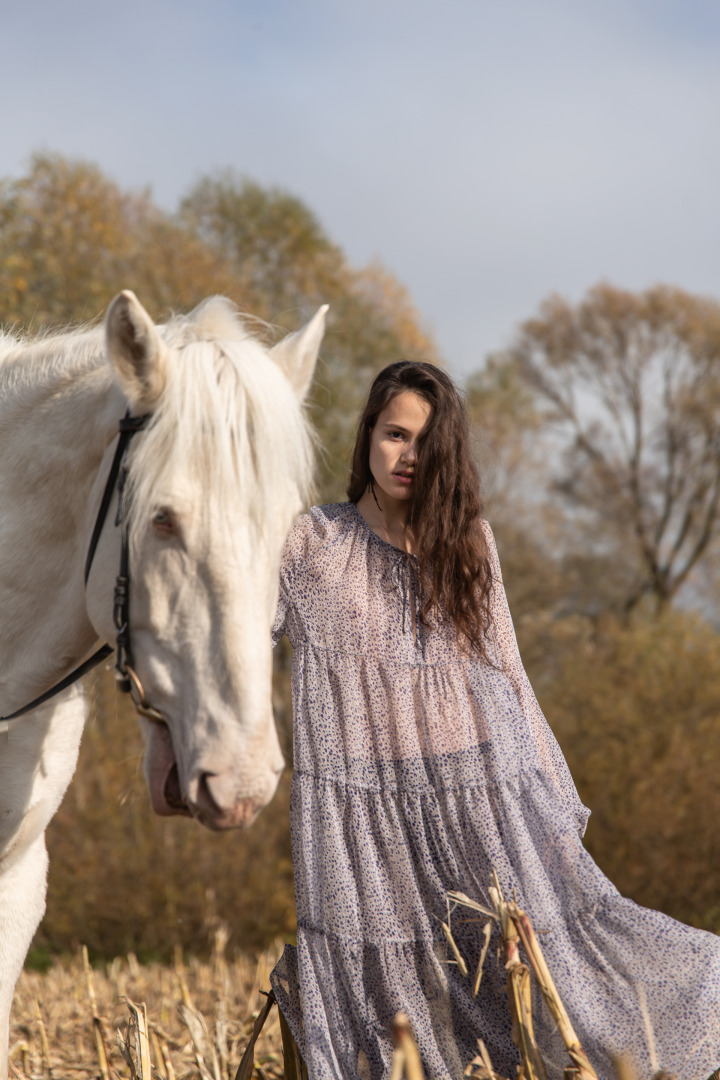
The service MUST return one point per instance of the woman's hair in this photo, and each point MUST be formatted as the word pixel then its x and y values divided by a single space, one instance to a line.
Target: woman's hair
pixel 445 510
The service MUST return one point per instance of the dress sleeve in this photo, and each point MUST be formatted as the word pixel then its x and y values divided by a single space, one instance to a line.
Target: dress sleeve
pixel 279 628
pixel 288 564
pixel 549 753
pixel 304 541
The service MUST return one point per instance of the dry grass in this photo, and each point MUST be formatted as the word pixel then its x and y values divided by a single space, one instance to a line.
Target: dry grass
pixel 199 1016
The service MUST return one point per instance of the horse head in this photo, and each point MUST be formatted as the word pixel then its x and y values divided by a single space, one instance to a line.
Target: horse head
pixel 213 484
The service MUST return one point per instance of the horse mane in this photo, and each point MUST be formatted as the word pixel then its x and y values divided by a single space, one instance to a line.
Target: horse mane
pixel 48 357
pixel 227 419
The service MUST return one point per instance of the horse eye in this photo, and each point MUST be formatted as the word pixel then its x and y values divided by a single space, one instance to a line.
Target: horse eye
pixel 163 521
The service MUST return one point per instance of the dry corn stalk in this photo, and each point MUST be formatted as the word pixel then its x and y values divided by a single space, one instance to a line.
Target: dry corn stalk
pixel 45 1046
pixel 295 1067
pixel 98 1029
pixel 182 981
pixel 549 992
pixel 406 1058
pixel 481 1067
pixel 205 1053
pixel 487 931
pixel 136 1039
pixel 161 1063
pixel 459 959
pixel 515 926
pixel 518 991
pixel 246 1066
pixel 22 1048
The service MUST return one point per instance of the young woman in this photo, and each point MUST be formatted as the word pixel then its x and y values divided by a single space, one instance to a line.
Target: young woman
pixel 422 763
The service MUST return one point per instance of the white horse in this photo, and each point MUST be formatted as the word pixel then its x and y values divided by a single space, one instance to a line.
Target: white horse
pixel 213 484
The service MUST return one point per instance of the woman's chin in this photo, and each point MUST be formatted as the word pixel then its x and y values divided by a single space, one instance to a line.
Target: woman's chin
pixel 395 489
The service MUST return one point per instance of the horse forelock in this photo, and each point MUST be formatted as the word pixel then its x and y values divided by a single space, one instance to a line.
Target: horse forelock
pixel 215 319
pixel 227 423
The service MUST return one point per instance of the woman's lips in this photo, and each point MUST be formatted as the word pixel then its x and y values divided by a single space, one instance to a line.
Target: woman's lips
pixel 403 477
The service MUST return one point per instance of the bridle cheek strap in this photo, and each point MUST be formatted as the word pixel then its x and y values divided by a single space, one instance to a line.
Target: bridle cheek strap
pixel 127 427
pixel 127 678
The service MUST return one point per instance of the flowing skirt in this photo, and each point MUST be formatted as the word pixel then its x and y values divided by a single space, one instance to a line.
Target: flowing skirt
pixel 375 855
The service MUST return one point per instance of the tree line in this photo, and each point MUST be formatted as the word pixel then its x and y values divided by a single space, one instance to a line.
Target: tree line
pixel 598 436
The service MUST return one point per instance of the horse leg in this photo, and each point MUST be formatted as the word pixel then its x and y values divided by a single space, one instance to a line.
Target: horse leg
pixel 37 762
pixel 22 903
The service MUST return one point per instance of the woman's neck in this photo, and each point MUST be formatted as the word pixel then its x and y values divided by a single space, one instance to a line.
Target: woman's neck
pixel 388 518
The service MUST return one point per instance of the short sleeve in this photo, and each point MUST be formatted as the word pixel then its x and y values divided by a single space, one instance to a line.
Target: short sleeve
pixel 549 753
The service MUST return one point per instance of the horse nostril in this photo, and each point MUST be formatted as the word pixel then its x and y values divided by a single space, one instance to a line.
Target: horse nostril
pixel 204 796
pixel 172 790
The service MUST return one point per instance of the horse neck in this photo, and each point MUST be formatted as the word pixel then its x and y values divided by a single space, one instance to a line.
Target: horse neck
pixel 59 413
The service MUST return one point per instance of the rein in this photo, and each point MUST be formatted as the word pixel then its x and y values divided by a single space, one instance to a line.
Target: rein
pixel 125 674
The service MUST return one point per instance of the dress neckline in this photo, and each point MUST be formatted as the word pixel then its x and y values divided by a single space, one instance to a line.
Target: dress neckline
pixel 385 543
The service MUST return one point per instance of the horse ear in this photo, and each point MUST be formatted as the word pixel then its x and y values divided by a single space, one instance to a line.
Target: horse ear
pixel 136 350
pixel 297 353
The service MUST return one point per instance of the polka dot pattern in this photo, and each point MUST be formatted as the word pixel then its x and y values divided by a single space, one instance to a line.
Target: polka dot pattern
pixel 419 770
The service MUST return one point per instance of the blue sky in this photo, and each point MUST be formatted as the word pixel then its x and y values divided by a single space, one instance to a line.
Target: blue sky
pixel 487 153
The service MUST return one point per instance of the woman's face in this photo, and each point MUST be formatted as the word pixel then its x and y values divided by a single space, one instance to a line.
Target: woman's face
pixel 394 443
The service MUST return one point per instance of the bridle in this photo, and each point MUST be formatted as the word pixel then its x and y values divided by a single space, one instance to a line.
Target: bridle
pixel 127 678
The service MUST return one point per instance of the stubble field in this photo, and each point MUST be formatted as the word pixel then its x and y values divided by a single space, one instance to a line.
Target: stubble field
pixel 73 1021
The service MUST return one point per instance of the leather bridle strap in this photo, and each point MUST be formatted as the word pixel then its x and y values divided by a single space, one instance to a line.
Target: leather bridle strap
pixel 88 665
pixel 121 598
pixel 127 427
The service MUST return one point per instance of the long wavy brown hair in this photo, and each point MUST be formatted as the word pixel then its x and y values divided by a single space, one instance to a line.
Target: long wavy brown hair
pixel 446 508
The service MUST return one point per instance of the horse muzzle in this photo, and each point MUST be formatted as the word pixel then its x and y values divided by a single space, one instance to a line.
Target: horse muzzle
pixel 213 801
pixel 219 800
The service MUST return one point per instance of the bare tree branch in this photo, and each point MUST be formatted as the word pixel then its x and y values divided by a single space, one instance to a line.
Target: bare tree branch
pixel 633 386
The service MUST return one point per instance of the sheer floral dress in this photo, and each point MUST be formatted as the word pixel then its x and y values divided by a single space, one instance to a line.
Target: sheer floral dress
pixel 419 770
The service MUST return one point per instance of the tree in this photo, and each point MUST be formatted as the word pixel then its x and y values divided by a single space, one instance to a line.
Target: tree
pixel 284 266
pixel 282 261
pixel 630 384
pixel 635 706
pixel 70 239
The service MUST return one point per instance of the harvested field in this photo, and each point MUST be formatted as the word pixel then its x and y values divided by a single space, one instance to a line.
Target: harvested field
pixel 199 1017
pixel 194 1020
